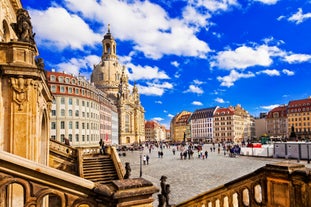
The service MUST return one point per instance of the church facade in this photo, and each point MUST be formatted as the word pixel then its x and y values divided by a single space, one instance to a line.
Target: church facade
pixel 111 77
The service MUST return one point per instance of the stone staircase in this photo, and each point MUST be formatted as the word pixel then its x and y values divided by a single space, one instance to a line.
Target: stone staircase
pixel 99 169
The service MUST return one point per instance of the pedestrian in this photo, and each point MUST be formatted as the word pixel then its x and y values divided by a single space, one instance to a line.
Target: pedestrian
pixel 102 147
pixel 173 151
pixel 147 159
pixel 144 159
pixel 206 153
pixel 181 155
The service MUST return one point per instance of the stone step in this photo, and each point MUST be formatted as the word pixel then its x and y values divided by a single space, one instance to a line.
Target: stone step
pixel 99 169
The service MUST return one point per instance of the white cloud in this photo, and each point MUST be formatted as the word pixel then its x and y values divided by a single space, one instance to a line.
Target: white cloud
pixel 219 100
pixel 297 58
pixel 229 80
pixel 288 72
pixel 217 5
pixel 137 72
pixel 197 82
pixel 59 29
pixel 158 119
pixel 270 2
pixel 197 103
pixel 147 25
pixel 299 17
pixel 158 102
pixel 74 65
pixel 270 107
pixel 272 72
pixel 175 63
pixel 154 89
pixel 194 89
pixel 244 57
pixel 170 115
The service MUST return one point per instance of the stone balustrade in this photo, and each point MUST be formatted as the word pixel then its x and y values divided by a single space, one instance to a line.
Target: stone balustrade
pixel 284 184
pixel 26 183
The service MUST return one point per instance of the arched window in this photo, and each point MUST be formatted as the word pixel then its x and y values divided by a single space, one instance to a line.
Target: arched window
pixel 6 31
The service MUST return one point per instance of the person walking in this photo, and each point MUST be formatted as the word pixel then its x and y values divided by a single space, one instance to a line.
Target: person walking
pixel 144 159
pixel 147 159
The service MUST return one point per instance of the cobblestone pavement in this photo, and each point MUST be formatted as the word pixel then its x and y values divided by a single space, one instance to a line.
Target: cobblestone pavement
pixel 189 178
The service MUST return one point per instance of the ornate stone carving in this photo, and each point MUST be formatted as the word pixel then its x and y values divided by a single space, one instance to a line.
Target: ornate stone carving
pixel 23 27
pixel 20 90
pixel 40 63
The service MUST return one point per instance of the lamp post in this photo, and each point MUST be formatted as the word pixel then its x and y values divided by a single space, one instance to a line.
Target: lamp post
pixel 140 165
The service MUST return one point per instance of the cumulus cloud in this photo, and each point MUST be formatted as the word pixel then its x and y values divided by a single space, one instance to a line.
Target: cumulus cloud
pixel 269 2
pixel 197 82
pixel 58 29
pixel 219 100
pixel 219 5
pixel 229 80
pixel 297 58
pixel 244 57
pixel 137 72
pixel 146 24
pixel 268 72
pixel 154 89
pixel 170 115
pixel 175 63
pixel 270 107
pixel 197 103
pixel 288 72
pixel 194 89
pixel 74 65
pixel 299 17
pixel 158 119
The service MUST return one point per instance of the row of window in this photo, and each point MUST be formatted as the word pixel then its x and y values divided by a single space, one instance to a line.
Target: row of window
pixel 84 125
pixel 94 137
pixel 77 102
pixel 68 80
pixel 77 114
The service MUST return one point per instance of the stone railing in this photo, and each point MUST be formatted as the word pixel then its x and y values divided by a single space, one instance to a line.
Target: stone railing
pixel 28 184
pixel 117 162
pixel 69 159
pixel 284 184
pixel 63 157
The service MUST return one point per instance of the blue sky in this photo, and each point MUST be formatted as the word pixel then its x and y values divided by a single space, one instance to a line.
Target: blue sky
pixel 186 54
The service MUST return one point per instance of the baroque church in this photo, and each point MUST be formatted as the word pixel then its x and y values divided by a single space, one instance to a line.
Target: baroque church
pixel 111 77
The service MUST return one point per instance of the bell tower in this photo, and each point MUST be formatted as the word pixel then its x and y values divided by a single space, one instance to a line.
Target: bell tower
pixel 109 46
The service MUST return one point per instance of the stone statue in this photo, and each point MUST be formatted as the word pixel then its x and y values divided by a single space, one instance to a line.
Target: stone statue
pixel 23 27
pixel 165 191
pixel 40 63
pixel 127 171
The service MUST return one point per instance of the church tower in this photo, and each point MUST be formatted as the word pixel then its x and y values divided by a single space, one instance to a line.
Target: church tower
pixel 106 75
pixel 112 78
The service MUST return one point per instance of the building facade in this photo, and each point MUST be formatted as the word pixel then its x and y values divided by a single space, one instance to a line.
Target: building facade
pixel 299 118
pixel 277 122
pixel 154 131
pixel 80 112
pixel 201 125
pixel 180 127
pixel 111 77
pixel 233 124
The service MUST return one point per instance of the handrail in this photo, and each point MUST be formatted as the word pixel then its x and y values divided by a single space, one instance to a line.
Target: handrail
pixel 271 185
pixel 37 182
pixel 117 162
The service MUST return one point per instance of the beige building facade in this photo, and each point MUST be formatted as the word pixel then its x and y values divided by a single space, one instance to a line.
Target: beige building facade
pixel 180 127
pixel 277 122
pixel 111 77
pixel 80 112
